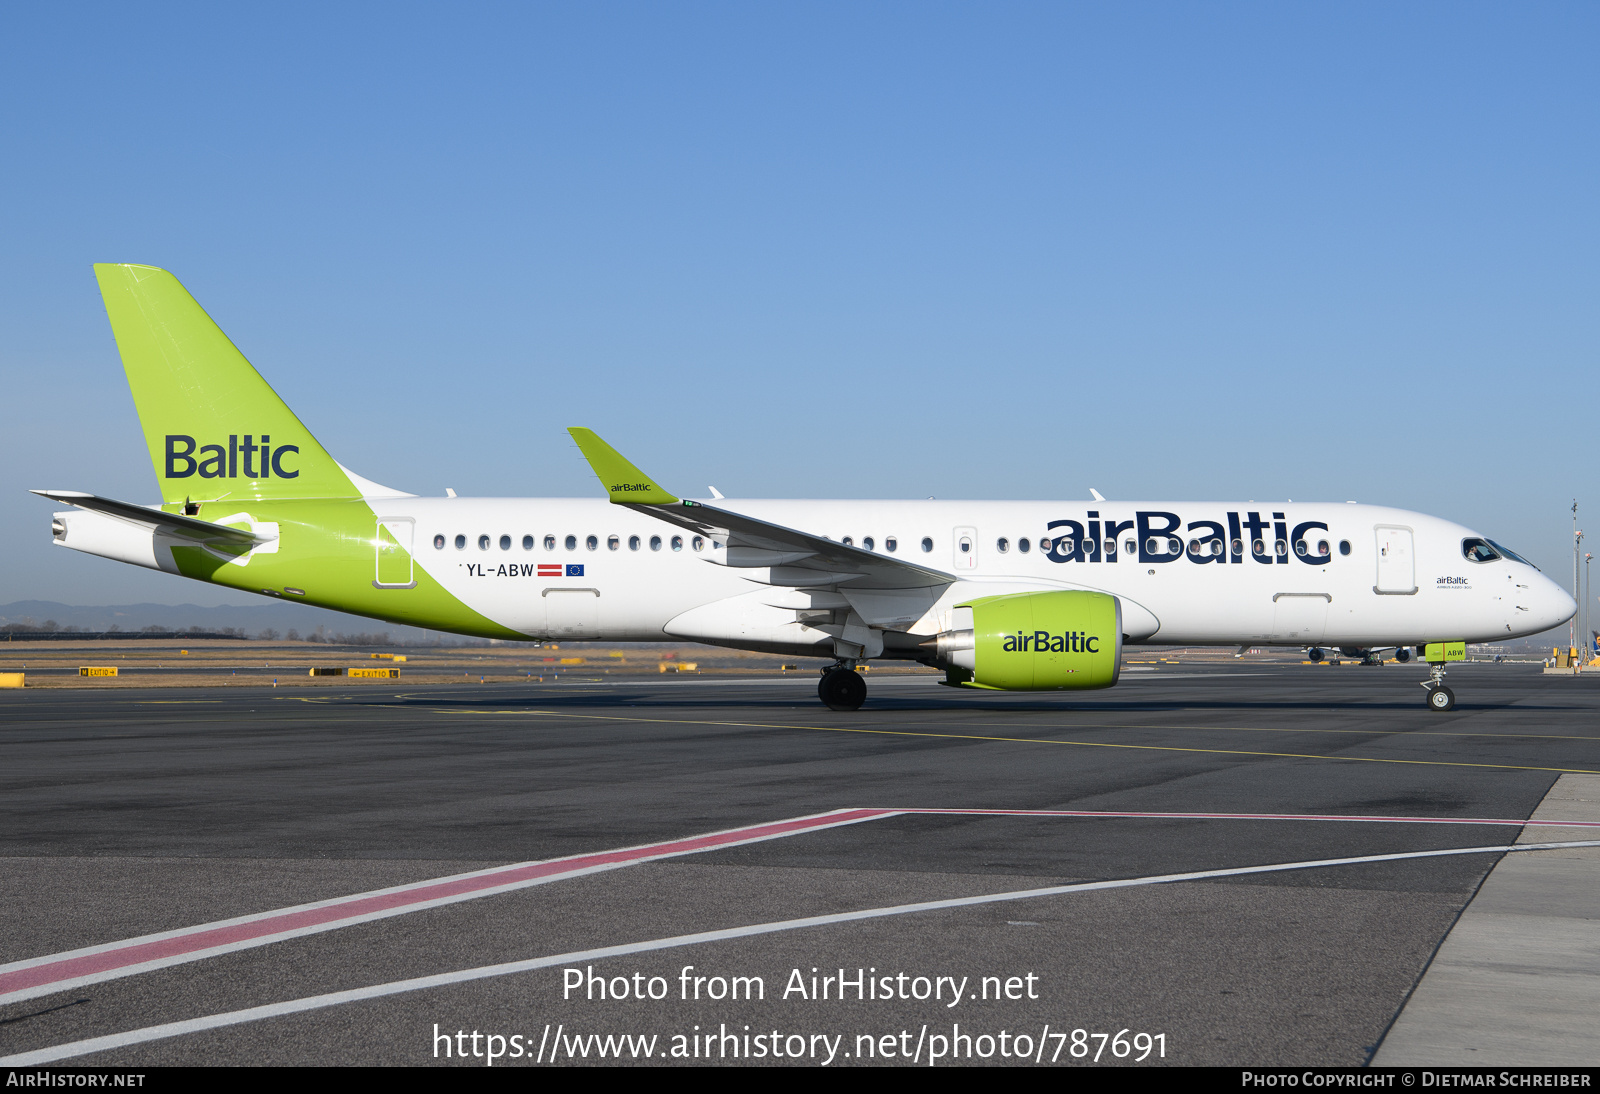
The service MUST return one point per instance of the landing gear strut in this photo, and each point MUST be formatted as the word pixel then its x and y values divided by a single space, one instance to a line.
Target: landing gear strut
pixel 841 687
pixel 1440 698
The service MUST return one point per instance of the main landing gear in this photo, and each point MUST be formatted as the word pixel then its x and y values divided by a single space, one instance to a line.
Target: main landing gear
pixel 841 687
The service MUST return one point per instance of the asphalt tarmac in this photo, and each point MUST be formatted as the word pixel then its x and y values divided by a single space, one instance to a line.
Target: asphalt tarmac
pixel 152 812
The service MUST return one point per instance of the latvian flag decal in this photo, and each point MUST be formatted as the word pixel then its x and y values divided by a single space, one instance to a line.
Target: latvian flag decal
pixel 549 569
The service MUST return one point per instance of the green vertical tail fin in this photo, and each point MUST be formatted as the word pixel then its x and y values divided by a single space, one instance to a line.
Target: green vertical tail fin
pixel 214 427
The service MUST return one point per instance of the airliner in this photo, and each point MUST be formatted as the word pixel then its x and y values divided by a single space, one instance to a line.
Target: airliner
pixel 1000 595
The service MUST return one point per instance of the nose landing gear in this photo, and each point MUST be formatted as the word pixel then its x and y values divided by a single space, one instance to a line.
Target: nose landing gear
pixel 1440 698
pixel 841 687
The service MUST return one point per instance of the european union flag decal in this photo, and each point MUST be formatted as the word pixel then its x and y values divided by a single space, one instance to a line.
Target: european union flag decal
pixel 574 571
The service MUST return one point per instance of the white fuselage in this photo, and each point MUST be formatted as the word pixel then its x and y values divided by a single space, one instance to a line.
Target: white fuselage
pixel 1384 577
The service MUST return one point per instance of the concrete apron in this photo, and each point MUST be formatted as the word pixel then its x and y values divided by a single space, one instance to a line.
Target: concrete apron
pixel 1517 980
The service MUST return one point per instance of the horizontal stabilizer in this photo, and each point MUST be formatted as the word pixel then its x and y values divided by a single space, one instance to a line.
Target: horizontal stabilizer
pixel 169 524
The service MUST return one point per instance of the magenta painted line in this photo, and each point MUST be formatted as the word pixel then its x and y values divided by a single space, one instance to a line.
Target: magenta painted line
pixel 35 977
pixel 1244 816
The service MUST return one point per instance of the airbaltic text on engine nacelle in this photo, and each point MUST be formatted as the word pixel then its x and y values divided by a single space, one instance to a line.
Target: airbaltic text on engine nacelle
pixel 1035 641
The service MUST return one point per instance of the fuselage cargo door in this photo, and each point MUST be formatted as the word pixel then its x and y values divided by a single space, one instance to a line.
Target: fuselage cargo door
pixel 1397 570
pixel 395 569
pixel 1300 618
pixel 965 545
pixel 571 612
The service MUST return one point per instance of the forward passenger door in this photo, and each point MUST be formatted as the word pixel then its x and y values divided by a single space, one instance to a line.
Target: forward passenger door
pixel 1397 572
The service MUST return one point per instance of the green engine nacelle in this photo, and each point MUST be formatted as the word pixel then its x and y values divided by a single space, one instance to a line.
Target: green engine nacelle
pixel 1034 641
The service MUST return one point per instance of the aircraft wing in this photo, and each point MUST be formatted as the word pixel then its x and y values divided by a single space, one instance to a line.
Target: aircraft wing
pixel 174 525
pixel 792 558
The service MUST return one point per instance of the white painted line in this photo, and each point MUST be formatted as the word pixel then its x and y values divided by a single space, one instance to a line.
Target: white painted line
pixel 55 972
pixel 355 995
pixel 1146 814
pixel 36 976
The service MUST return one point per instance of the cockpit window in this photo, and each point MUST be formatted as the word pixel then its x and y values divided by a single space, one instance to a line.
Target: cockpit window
pixel 1512 555
pixel 1478 550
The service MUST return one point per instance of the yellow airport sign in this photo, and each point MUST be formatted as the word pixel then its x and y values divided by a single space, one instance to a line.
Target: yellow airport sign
pixel 11 679
pixel 97 670
pixel 373 674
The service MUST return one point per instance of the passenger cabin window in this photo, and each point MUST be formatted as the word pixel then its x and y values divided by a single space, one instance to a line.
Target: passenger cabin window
pixel 593 543
pixel 505 543
pixel 891 545
pixel 438 543
pixel 633 543
pixel 927 543
pixel 1344 546
pixel 461 543
pixel 613 542
pixel 848 541
pixel 1002 545
pixel 677 543
pixel 549 543
pixel 867 543
pixel 698 543
pixel 527 543
pixel 1131 547
pixel 1024 545
pixel 572 543
pixel 483 543
pixel 655 543
pixel 1478 550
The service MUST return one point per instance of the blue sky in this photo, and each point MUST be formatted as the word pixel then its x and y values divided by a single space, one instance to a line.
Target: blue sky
pixel 1177 251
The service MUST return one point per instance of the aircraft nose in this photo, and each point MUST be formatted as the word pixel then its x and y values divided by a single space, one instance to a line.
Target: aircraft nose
pixel 1549 604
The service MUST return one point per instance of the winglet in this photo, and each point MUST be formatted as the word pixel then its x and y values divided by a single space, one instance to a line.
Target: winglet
pixel 624 482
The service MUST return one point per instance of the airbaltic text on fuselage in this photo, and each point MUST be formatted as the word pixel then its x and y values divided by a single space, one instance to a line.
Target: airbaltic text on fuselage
pixel 1166 537
pixel 1045 642
pixel 213 461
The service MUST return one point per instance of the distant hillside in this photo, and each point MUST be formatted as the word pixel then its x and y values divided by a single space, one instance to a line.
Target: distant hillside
pixel 252 620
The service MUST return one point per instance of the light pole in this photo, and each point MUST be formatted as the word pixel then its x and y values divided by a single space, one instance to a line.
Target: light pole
pixel 1588 591
pixel 1577 538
